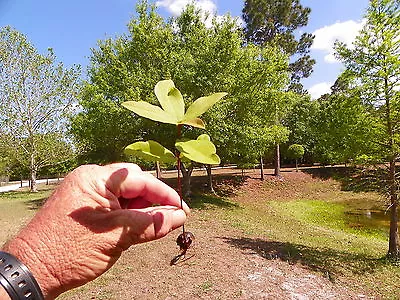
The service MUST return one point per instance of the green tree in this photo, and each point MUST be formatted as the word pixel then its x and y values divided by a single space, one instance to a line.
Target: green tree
pixel 296 152
pixel 343 125
pixel 36 97
pixel 201 61
pixel 375 63
pixel 123 69
pixel 275 22
pixel 271 22
pixel 301 120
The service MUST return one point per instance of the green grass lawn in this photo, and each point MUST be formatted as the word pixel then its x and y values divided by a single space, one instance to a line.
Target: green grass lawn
pixel 17 208
pixel 307 226
pixel 297 222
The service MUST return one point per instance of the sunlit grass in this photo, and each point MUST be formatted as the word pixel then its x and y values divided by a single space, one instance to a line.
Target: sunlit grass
pixel 16 209
pixel 306 227
pixel 315 233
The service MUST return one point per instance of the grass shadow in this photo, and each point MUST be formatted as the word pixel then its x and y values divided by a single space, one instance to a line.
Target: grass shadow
pixel 327 261
pixel 224 185
pixel 228 185
pixel 203 201
pixel 36 204
pixel 33 200
pixel 352 178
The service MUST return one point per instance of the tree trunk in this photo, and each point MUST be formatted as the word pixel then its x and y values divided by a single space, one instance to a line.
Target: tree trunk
pixel 186 177
pixel 261 167
pixel 158 170
pixel 33 168
pixel 393 235
pixel 277 161
pixel 297 165
pixel 209 179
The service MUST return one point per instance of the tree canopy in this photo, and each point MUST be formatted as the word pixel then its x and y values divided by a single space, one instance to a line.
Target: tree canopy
pixel 37 96
pixel 201 61
pixel 373 65
pixel 276 22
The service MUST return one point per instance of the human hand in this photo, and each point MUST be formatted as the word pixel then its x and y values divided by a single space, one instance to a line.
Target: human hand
pixel 96 213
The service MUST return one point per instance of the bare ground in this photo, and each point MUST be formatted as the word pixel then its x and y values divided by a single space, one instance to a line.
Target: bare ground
pixel 226 264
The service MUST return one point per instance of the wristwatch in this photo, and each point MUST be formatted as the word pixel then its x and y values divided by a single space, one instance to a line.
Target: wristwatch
pixel 17 280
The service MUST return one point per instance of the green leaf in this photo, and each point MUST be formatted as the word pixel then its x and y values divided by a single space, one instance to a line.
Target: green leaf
pixel 200 150
pixel 197 122
pixel 150 111
pixel 150 150
pixel 201 105
pixel 185 160
pixel 204 137
pixel 170 98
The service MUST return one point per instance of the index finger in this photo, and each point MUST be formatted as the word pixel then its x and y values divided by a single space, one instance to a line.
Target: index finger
pixel 129 182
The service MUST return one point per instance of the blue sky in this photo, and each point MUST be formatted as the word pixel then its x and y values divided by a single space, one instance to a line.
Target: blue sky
pixel 72 27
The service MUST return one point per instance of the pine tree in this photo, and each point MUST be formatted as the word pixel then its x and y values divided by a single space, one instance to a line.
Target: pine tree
pixel 275 22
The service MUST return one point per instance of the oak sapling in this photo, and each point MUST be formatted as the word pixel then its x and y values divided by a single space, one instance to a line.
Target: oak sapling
pixel 172 111
pixel 296 152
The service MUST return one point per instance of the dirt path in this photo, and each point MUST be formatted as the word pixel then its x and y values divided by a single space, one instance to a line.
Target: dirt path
pixel 226 265
pixel 222 268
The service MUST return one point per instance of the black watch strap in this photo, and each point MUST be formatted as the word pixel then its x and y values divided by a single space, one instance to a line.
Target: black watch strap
pixel 17 280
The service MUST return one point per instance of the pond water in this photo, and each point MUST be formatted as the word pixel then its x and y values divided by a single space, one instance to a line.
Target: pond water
pixel 364 215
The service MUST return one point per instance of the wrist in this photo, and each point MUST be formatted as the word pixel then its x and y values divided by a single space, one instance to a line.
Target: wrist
pixel 17 280
pixel 30 253
pixel 21 252
pixel 4 294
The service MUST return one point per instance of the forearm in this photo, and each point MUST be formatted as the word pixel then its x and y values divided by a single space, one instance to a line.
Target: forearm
pixel 29 247
pixel 20 250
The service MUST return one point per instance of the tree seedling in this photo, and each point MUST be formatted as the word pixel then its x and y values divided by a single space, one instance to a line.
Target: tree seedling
pixel 172 111
pixel 296 151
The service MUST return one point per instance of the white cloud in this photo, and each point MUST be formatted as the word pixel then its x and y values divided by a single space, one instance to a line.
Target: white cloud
pixel 320 89
pixel 240 22
pixel 175 7
pixel 208 7
pixel 326 36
